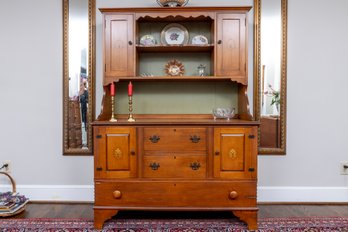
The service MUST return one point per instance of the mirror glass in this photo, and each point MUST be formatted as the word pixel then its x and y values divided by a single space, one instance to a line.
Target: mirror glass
pixel 271 75
pixel 78 76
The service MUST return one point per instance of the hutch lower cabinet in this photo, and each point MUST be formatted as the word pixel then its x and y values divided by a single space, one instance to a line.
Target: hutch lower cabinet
pixel 175 166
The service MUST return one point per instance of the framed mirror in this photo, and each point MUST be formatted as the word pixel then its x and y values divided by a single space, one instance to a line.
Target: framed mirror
pixel 78 76
pixel 270 73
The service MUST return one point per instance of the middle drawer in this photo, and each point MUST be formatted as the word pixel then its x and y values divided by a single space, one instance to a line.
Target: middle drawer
pixel 175 166
pixel 175 139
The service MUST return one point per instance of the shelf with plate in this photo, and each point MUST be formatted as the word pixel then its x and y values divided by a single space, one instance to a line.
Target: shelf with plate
pixel 175 48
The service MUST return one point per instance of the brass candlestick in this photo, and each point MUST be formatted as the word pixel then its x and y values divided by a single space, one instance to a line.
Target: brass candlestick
pixel 130 117
pixel 113 119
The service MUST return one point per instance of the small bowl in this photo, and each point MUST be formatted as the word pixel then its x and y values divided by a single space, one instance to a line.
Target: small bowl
pixel 223 113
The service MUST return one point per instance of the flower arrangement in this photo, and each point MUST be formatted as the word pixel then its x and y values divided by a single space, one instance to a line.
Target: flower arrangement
pixel 275 94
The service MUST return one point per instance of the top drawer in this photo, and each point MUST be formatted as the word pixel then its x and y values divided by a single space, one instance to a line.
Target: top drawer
pixel 175 139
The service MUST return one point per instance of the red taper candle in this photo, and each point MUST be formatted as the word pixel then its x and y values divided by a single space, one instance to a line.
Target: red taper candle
pixel 130 89
pixel 112 89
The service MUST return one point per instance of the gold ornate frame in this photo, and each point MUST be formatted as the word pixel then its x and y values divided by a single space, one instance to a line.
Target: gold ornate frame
pixel 257 74
pixel 91 80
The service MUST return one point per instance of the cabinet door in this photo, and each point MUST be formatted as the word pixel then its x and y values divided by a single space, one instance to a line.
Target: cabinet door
pixel 235 151
pixel 231 49
pixel 119 46
pixel 114 152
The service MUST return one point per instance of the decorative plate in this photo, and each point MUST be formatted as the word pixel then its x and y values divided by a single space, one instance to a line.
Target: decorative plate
pixel 174 34
pixel 174 68
pixel 199 40
pixel 147 40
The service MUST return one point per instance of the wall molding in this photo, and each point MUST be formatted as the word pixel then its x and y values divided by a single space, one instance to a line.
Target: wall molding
pixel 266 194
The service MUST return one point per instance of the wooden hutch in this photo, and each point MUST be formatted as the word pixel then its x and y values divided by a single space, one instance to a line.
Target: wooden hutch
pixel 173 157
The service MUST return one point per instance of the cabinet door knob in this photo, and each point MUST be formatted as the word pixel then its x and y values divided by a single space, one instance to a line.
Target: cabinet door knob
pixel 217 152
pixel 130 42
pixel 233 195
pixel 117 194
pixel 132 152
pixel 219 41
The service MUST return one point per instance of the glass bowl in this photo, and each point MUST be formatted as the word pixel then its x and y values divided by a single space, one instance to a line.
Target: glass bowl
pixel 223 113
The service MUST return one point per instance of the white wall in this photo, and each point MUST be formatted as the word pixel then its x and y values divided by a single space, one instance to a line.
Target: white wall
pixel 31 104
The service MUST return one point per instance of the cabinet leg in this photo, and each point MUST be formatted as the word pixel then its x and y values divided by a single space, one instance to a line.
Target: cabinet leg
pixel 101 215
pixel 249 217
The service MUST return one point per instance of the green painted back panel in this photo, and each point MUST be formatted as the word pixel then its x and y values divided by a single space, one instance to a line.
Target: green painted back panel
pixel 177 97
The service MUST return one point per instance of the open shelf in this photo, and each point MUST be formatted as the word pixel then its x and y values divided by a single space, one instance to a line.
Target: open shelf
pixel 176 78
pixel 175 48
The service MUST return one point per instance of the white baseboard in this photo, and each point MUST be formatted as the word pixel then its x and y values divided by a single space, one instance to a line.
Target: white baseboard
pixel 55 193
pixel 85 193
pixel 302 194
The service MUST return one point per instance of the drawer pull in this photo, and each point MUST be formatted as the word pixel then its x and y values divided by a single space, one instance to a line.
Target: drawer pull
pixel 154 166
pixel 195 165
pixel 132 152
pixel 195 139
pixel 117 194
pixel 233 195
pixel 154 138
pixel 217 152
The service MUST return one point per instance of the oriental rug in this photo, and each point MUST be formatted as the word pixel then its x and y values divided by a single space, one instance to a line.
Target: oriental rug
pixel 312 224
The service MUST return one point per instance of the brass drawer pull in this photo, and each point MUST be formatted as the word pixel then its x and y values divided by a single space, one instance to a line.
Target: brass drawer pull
pixel 195 166
pixel 155 138
pixel 154 166
pixel 195 139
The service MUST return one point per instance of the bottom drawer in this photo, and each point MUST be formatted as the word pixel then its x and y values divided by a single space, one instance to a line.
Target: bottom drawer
pixel 160 194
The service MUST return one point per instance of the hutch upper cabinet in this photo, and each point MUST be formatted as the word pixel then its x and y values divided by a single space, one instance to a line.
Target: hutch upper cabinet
pixel 184 62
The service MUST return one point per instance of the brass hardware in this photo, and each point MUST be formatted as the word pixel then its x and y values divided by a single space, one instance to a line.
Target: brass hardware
pixel 154 166
pixel 195 165
pixel 113 119
pixel 99 136
pixel 155 138
pixel 195 139
pixel 233 195
pixel 130 42
pixel 217 152
pixel 117 153
pixel 251 169
pixel 117 194
pixel 130 109
pixel 99 169
pixel 132 152
pixel 220 41
pixel 232 154
pixel 251 136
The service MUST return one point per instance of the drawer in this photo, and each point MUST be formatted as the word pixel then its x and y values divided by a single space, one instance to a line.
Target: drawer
pixel 175 139
pixel 165 194
pixel 175 166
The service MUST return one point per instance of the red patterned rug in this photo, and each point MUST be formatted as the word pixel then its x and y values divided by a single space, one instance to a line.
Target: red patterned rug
pixel 313 224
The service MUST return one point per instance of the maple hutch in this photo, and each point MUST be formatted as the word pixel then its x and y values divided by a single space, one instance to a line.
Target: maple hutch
pixel 175 156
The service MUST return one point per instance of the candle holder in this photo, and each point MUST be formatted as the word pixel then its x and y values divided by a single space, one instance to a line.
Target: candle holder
pixel 113 119
pixel 130 117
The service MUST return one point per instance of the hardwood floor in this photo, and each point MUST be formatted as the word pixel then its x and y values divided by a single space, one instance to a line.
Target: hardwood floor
pixel 44 210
